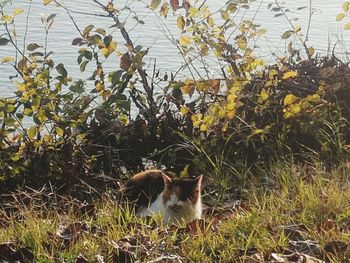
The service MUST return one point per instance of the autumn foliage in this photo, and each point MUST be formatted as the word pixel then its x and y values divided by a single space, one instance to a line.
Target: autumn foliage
pixel 252 112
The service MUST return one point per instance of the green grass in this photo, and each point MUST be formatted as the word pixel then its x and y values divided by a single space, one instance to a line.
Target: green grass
pixel 310 197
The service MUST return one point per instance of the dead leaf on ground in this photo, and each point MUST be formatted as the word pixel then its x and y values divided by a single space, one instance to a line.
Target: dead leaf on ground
pixel 295 232
pixel 172 258
pixel 307 247
pixel 336 247
pixel 70 233
pixel 8 253
pixel 81 259
pixel 327 225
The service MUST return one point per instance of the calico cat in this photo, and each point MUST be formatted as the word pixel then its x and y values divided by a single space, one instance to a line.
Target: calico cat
pixel 156 192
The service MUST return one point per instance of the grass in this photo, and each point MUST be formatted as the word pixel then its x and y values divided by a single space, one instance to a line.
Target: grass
pixel 293 205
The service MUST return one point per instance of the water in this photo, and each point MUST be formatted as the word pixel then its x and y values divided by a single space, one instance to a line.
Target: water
pixel 324 33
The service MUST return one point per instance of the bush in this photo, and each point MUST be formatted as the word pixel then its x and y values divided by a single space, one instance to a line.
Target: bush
pixel 255 113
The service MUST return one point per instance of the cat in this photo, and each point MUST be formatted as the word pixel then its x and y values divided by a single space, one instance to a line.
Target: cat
pixel 158 192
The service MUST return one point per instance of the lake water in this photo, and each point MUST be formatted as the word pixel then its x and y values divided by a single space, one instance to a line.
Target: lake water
pixel 324 32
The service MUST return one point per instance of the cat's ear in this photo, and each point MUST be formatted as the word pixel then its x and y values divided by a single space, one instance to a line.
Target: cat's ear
pixel 198 180
pixel 166 179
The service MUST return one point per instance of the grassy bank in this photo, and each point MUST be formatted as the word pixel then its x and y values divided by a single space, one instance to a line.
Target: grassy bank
pixel 295 213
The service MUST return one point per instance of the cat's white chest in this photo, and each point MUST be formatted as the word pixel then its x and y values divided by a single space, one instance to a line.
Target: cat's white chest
pixel 188 211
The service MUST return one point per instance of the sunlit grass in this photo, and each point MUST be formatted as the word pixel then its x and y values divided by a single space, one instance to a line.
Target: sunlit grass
pixel 294 196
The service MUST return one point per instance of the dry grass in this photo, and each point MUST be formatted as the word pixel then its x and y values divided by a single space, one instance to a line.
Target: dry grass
pixel 303 209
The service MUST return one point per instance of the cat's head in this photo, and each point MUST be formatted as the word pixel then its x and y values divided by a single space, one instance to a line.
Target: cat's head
pixel 181 193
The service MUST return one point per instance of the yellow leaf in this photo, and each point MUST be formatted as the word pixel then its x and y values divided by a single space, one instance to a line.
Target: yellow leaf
pixel 258 131
pixel 180 22
pixel 346 6
pixel 6 59
pixel 231 114
pixel 27 111
pixel 184 110
pixel 193 12
pixel 297 28
pixel 203 128
pixel 295 108
pixel 46 2
pixel 340 17
pixel 17 12
pixel 290 74
pixel 154 4
pixel 313 98
pixel 7 18
pixel 225 15
pixel 59 131
pixel 264 95
pixel 184 172
pixel 210 21
pixel 289 99
pixel 347 26
pixel 242 42
pixel 185 40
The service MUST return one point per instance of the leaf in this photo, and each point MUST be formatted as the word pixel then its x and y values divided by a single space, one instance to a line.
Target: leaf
pixel 28 111
pixel 83 65
pixel 61 70
pixel 46 2
pixel 289 74
pixel 101 31
pixel 7 18
pixel 164 9
pixel 77 41
pixel 347 26
pixel 188 87
pixel 154 4
pixel 6 59
pixel 185 40
pixel 180 22
pixel 174 4
pixel 4 41
pixel 17 12
pixel 33 46
pixel 289 99
pixel 184 110
pixel 125 62
pixel 346 6
pixel 310 51
pixel 340 17
pixel 287 34
pixel 264 95
pixel 31 132
pixel 59 131
pixel 225 15
pixel 203 127
pixel 87 30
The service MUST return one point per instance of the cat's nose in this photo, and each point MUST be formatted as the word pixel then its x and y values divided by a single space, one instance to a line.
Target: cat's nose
pixel 175 207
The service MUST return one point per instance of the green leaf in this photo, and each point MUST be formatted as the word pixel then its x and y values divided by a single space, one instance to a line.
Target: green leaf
pixel 4 41
pixel 87 29
pixel 83 65
pixel 33 46
pixel 31 132
pixel 61 70
pixel 346 6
